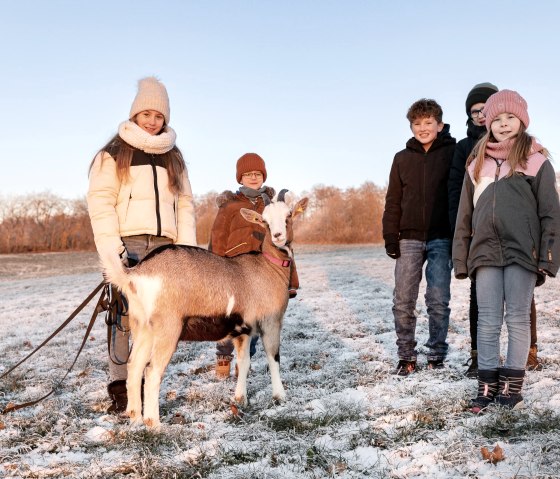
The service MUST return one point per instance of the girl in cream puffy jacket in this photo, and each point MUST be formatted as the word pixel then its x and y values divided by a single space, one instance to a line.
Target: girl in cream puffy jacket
pixel 139 198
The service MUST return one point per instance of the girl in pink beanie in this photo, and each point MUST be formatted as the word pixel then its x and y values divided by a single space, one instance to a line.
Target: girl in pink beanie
pixel 506 237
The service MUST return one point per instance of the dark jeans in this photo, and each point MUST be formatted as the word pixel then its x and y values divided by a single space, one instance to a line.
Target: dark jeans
pixel 225 348
pixel 408 274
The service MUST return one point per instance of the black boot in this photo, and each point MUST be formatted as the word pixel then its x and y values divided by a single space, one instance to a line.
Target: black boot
pixel 487 389
pixel 472 363
pixel 119 398
pixel 511 382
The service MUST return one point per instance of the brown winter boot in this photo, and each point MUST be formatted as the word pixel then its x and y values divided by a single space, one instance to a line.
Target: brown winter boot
pixel 119 398
pixel 223 366
pixel 487 389
pixel 533 362
pixel 511 382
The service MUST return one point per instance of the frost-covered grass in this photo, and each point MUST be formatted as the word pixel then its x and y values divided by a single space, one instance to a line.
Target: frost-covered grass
pixel 346 415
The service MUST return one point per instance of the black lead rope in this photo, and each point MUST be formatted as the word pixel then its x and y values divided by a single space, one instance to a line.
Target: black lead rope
pixel 100 306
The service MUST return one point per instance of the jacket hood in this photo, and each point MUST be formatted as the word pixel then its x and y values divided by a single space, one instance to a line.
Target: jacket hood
pixel 443 138
pixel 227 196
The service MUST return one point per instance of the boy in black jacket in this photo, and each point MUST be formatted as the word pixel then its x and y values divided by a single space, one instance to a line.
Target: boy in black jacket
pixel 416 230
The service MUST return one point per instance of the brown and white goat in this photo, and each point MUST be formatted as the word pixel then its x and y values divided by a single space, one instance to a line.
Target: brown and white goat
pixel 188 293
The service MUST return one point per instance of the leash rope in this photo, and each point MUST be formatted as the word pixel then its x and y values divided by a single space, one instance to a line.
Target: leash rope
pixel 100 306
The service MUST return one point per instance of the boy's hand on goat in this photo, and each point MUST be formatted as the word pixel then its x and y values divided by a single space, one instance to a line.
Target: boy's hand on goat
pixel 393 250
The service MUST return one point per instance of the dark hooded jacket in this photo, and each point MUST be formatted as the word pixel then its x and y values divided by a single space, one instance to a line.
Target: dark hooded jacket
pixel 458 168
pixel 416 205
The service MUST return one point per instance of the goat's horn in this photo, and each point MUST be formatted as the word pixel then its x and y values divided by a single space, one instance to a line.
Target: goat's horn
pixel 281 195
pixel 265 198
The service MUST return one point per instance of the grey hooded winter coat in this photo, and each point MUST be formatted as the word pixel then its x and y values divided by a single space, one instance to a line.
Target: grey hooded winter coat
pixel 508 220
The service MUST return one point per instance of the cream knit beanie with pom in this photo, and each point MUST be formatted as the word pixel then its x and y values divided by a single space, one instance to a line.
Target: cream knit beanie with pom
pixel 151 95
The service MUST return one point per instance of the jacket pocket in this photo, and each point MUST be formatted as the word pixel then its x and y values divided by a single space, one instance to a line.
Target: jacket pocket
pixel 125 195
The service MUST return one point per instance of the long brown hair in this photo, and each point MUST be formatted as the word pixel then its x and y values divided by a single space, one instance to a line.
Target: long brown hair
pixel 517 156
pixel 173 161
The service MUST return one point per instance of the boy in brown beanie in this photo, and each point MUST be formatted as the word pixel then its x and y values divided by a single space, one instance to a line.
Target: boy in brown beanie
pixel 232 235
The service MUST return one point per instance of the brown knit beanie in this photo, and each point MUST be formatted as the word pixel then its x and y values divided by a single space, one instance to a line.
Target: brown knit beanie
pixel 479 94
pixel 250 162
pixel 151 95
pixel 506 101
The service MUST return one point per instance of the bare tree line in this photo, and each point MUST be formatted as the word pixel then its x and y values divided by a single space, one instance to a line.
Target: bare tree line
pixel 42 222
pixel 45 222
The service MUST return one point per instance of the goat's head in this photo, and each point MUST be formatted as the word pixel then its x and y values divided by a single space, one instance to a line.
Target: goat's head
pixel 277 218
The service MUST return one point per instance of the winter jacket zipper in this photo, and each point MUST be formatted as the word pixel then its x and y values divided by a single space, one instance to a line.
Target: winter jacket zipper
pixel 156 194
pixel 496 178
pixel 426 227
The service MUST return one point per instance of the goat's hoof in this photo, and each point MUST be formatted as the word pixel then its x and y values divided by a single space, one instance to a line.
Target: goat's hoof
pixel 132 414
pixel 242 401
pixel 281 397
pixel 152 423
pixel 136 421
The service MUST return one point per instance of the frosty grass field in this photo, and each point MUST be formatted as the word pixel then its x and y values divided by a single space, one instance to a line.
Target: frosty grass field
pixel 346 415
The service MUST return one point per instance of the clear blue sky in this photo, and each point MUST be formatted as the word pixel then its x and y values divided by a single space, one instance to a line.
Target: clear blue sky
pixel 319 89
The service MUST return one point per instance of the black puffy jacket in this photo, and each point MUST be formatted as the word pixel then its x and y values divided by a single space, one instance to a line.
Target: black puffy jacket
pixel 416 205
pixel 458 168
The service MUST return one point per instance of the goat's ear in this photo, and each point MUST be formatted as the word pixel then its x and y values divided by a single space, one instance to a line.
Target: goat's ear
pixel 300 207
pixel 252 216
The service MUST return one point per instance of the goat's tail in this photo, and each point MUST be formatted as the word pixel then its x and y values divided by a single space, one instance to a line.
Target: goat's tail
pixel 114 271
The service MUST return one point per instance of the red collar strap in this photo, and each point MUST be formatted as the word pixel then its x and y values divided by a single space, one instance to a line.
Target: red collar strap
pixel 285 263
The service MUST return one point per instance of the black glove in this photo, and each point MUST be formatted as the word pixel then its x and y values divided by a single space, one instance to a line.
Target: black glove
pixel 392 250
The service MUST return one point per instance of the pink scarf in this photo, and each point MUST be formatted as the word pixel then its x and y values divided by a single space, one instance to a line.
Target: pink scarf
pixel 501 149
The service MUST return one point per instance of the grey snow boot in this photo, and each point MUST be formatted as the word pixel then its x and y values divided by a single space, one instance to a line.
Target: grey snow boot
pixel 511 382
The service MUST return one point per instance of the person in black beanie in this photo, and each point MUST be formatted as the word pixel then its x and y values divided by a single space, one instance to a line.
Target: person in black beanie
pixel 476 128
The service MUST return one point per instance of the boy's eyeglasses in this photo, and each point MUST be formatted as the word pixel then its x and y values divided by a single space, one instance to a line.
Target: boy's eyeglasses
pixel 476 113
pixel 252 174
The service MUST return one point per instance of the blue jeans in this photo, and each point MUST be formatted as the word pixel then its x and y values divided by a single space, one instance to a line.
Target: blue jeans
pixel 512 286
pixel 225 348
pixel 408 274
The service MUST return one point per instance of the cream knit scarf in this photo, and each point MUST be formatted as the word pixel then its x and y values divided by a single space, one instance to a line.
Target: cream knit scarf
pixel 141 139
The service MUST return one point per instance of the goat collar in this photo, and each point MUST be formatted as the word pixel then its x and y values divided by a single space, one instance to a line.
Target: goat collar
pixel 285 263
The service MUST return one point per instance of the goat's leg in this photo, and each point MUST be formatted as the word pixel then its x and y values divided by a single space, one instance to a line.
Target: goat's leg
pixel 139 358
pixel 164 345
pixel 241 344
pixel 271 342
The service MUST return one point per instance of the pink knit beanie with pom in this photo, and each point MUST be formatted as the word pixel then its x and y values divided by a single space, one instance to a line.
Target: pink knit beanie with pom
pixel 506 101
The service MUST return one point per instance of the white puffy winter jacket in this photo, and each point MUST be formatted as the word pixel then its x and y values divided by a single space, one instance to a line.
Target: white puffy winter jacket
pixel 142 205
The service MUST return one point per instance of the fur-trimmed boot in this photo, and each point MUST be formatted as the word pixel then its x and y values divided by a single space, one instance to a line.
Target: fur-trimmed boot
pixel 511 382
pixel 487 389
pixel 118 395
